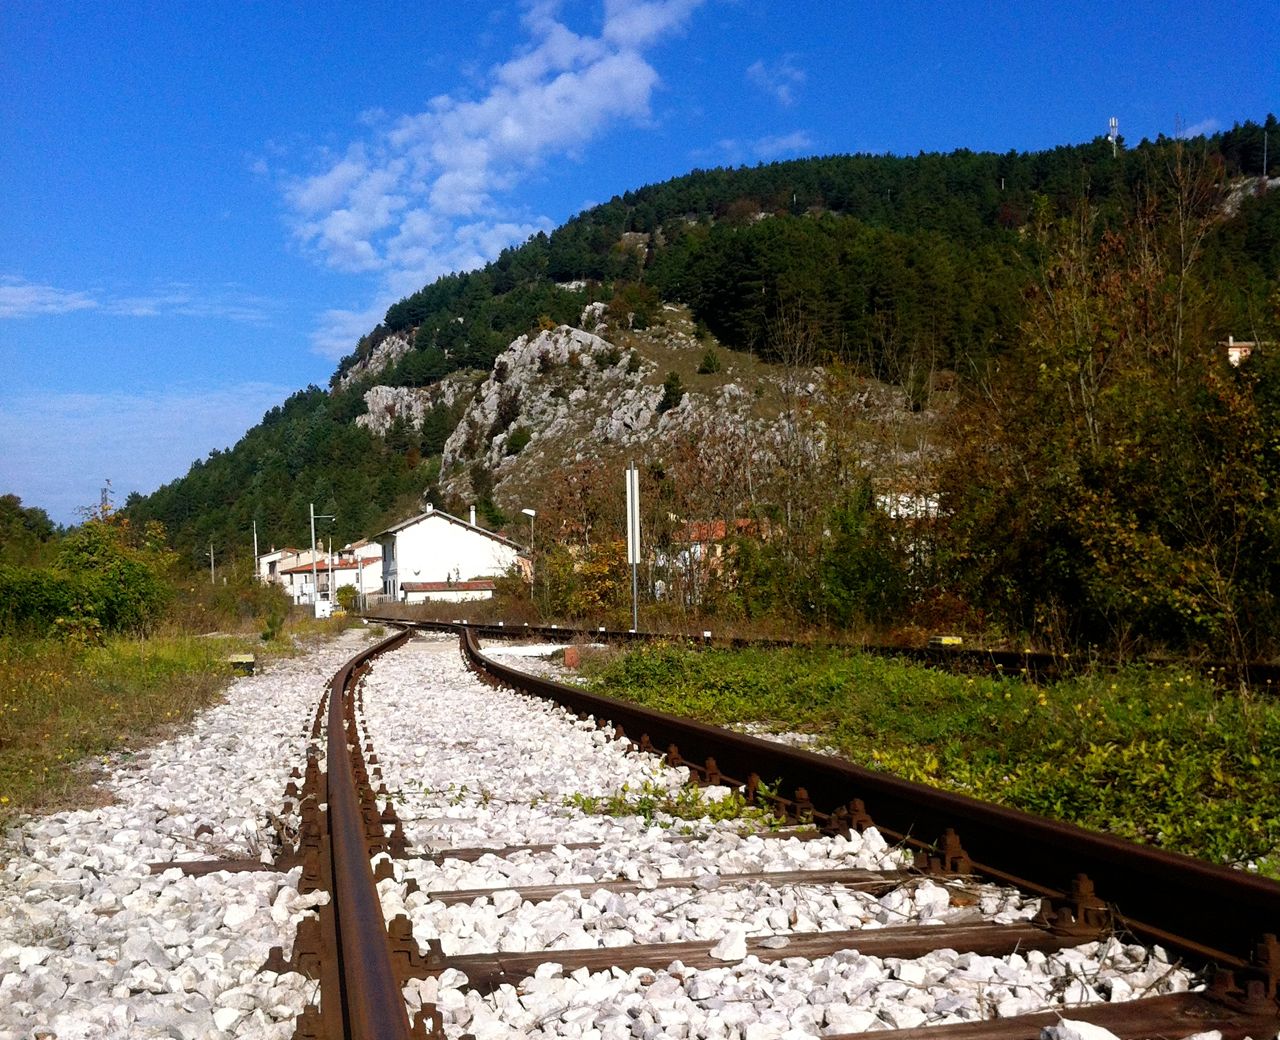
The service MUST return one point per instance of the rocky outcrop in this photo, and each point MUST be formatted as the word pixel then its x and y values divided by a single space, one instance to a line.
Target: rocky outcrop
pixel 549 385
pixel 566 396
pixel 385 354
pixel 387 403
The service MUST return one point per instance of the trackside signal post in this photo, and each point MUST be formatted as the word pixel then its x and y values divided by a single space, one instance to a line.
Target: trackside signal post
pixel 633 539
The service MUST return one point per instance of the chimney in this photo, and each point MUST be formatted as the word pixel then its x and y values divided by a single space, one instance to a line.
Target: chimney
pixel 473 516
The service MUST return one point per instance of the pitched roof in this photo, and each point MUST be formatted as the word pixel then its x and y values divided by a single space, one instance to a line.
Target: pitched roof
pixel 395 528
pixel 323 566
pixel 480 585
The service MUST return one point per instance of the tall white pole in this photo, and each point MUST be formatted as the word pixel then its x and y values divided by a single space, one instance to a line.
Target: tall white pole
pixel 255 550
pixel 633 540
pixel 211 579
pixel 314 578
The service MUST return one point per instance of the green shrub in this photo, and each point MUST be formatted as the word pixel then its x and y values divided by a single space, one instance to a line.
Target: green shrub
pixel 347 596
pixel 710 363
pixel 672 392
pixel 518 439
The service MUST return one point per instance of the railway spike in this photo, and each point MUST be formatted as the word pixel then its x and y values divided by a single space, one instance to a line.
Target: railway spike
pixel 1266 960
pixel 405 950
pixel 276 961
pixel 859 816
pixel 947 857
pixel 1080 913
pixel 803 806
pixel 711 774
pixel 429 1024
pixel 310 1024
pixel 673 756
pixel 396 844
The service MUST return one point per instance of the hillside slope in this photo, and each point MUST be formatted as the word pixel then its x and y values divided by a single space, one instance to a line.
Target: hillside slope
pixel 907 273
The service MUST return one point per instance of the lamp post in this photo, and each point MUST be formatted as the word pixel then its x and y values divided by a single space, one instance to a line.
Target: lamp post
pixel 315 587
pixel 530 513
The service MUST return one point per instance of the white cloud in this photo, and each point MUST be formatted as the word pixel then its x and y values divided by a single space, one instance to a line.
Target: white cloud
pixel 337 330
pixel 730 150
pixel 429 193
pixel 57 449
pixel 178 299
pixel 781 144
pixel 22 299
pixel 1205 127
pixel 781 79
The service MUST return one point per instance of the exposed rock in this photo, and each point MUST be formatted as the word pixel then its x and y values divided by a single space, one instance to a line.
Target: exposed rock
pixel 387 403
pixel 386 353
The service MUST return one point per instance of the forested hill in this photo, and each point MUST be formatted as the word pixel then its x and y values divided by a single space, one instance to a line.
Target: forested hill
pixel 893 265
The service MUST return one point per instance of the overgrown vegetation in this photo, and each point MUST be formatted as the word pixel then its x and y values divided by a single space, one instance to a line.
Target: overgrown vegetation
pixel 61 704
pixel 655 803
pixel 106 641
pixel 1157 756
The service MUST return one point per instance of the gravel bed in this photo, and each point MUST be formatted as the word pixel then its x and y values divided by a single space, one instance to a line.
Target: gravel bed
pixel 93 946
pixel 491 768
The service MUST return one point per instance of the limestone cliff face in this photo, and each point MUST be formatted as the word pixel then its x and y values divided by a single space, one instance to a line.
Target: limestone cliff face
pixel 387 403
pixel 386 353
pixel 566 396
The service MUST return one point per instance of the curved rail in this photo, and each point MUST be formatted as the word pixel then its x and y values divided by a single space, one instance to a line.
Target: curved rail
pixel 373 1006
pixel 1226 917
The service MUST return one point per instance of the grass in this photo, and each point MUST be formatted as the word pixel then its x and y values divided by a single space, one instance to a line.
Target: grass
pixel 63 706
pixel 1156 756
pixel 657 804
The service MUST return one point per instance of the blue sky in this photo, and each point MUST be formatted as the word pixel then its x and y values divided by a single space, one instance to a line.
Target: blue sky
pixel 205 204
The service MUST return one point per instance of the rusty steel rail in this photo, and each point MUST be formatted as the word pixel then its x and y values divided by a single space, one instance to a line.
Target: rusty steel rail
pixel 1259 676
pixel 373 1006
pixel 1225 918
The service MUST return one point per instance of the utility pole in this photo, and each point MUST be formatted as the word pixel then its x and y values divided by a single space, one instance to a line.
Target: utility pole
pixel 210 554
pixel 255 550
pixel 315 587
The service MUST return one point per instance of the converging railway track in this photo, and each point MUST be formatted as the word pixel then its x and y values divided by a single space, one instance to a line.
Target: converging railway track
pixel 480 852
pixel 878 904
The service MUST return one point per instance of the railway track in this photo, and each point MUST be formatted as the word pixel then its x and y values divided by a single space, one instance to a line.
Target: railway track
pixel 1259 676
pixel 877 904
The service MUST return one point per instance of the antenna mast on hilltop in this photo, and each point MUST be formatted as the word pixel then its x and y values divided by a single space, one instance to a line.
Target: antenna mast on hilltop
pixel 1112 134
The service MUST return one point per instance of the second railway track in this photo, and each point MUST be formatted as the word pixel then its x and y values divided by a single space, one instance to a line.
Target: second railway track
pixel 514 913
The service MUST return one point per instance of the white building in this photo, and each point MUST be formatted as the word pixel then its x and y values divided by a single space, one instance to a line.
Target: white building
pixel 364 573
pixel 444 554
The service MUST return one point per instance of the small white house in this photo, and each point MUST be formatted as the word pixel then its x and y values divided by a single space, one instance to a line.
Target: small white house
pixel 441 554
pixel 364 572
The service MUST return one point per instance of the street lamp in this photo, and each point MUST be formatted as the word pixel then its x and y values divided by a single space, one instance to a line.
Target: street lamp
pixel 530 513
